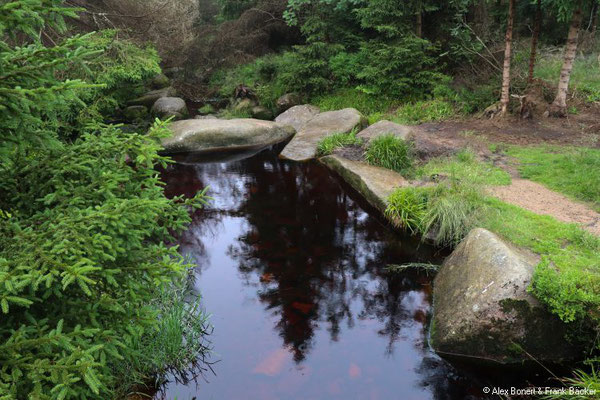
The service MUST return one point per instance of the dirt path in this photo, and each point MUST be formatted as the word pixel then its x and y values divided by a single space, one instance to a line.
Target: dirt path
pixel 537 198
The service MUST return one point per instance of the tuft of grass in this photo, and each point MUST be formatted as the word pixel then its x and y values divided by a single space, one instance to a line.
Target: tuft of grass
pixel 453 209
pixel 582 379
pixel 424 111
pixel 425 267
pixel 177 347
pixel 331 142
pixel 391 152
pixel 464 166
pixel 445 212
pixel 406 208
pixel 231 113
pixel 569 170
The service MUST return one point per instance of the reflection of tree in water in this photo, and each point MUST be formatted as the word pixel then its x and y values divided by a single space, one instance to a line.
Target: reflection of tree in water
pixel 314 252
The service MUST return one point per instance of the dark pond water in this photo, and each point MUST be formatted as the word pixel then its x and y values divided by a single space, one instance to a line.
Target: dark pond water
pixel 292 266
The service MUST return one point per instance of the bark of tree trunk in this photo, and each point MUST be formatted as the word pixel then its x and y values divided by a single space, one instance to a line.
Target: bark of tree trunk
pixel 558 108
pixel 594 20
pixel 505 98
pixel 419 25
pixel 534 39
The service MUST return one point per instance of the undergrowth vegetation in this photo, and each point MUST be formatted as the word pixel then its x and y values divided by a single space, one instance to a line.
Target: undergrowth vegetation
pixel 568 276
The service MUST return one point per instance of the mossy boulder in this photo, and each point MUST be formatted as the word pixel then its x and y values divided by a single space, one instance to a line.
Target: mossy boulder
pixel 160 81
pixel 220 135
pixel 303 146
pixel 483 311
pixel 288 101
pixel 166 107
pixel 260 112
pixel 150 98
pixel 135 113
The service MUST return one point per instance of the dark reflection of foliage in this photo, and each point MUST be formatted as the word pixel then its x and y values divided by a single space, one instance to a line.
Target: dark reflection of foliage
pixel 312 248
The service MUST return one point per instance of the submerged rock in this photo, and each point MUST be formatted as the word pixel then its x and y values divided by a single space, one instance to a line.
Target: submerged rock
pixel 298 116
pixel 303 146
pixel 375 184
pixel 385 128
pixel 482 309
pixel 219 135
pixel 166 107
pixel 150 98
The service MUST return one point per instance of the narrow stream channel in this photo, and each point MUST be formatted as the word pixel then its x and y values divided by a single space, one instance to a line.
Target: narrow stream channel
pixel 292 266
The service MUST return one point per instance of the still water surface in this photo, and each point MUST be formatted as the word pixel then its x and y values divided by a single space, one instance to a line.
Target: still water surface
pixel 292 266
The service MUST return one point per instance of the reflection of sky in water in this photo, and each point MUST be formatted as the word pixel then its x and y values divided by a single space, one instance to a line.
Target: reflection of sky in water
pixel 292 270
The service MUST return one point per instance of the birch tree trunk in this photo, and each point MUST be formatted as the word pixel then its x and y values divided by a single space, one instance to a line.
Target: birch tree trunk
pixel 505 98
pixel 534 39
pixel 594 20
pixel 558 108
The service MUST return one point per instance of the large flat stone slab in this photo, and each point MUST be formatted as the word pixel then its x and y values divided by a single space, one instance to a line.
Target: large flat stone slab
pixel 221 135
pixel 375 184
pixel 303 146
pixel 298 116
pixel 483 311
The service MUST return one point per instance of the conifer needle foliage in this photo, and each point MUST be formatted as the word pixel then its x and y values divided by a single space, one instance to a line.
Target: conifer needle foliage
pixel 84 223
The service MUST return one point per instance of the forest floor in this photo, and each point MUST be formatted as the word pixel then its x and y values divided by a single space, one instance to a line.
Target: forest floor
pixel 489 138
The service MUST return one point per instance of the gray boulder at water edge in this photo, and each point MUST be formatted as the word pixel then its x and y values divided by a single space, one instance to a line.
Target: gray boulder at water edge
pixel 303 146
pixel 483 311
pixel 221 135
pixel 298 116
pixel 150 98
pixel 166 107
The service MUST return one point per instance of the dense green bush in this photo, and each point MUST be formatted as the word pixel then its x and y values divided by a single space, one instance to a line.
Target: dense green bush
pixel 121 68
pixel 401 70
pixel 84 223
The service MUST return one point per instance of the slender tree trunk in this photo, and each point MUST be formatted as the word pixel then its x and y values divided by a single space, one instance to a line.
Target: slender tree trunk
pixel 419 25
pixel 558 108
pixel 534 39
pixel 505 98
pixel 594 19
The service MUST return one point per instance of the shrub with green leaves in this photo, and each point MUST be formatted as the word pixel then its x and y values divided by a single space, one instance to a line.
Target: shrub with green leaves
pixel 391 152
pixel 84 223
